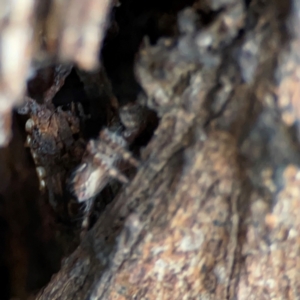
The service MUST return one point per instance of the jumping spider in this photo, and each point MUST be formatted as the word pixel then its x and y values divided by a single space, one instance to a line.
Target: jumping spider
pixel 99 164
pixel 107 156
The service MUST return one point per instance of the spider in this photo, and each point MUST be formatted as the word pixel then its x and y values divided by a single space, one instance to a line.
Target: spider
pixel 105 157
pixel 99 164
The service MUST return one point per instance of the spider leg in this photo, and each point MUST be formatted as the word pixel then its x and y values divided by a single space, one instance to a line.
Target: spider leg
pixel 110 169
pixel 118 144
pixel 115 173
pixel 89 205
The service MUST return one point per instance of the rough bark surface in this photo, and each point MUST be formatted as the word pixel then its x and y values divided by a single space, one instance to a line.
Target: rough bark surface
pixel 212 212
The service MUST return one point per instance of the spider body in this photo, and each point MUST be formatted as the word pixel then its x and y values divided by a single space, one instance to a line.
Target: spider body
pixel 100 164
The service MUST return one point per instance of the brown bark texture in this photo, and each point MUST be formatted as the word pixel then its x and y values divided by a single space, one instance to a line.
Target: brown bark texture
pixel 34 33
pixel 212 210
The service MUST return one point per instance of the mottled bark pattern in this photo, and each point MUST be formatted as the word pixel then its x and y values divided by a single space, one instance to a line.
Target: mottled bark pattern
pixel 212 211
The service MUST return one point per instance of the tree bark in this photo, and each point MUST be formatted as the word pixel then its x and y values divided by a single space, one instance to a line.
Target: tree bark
pixel 212 211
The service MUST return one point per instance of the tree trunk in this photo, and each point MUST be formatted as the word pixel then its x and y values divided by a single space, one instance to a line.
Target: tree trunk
pixel 212 211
